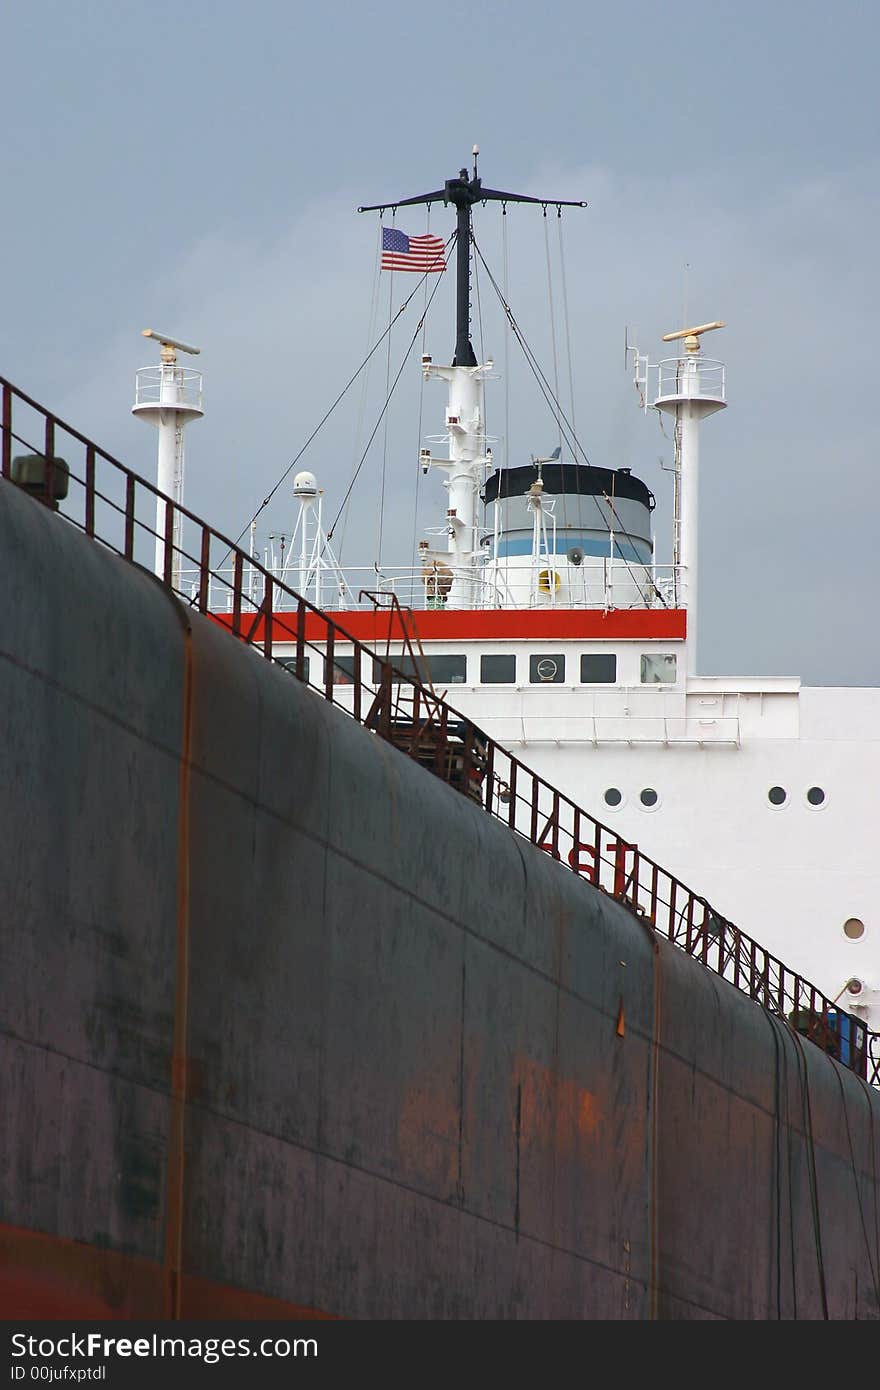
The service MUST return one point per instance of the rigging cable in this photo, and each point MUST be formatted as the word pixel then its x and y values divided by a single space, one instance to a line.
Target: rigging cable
pixel 565 318
pixel 383 470
pixel 352 379
pixel 371 329
pixel 482 359
pixel 421 403
pixel 559 414
pixel 505 271
pixel 552 324
pixel 381 416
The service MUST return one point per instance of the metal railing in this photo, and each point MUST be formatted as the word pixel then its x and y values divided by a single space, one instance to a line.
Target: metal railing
pixel 117 509
pixel 593 585
pixel 168 386
pixel 696 376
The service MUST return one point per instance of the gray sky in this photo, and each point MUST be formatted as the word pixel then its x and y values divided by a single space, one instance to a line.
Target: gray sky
pixel 197 168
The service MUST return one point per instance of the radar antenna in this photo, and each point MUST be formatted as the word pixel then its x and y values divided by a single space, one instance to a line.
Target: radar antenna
pixel 171 344
pixel 692 335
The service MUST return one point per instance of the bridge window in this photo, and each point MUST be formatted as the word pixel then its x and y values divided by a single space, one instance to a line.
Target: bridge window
pixel 289 664
pixel 498 670
pixel 547 670
pixel 434 670
pixel 598 668
pixel 343 670
pixel 658 668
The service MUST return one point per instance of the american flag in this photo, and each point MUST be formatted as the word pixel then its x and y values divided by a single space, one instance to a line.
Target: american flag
pixel 419 253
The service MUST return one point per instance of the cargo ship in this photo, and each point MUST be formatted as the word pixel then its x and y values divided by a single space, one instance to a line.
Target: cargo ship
pixel 335 991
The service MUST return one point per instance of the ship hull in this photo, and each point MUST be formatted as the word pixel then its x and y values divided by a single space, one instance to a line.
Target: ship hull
pixel 291 1028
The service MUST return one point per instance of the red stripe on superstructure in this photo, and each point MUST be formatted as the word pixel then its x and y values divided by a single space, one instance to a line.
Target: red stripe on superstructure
pixel 486 625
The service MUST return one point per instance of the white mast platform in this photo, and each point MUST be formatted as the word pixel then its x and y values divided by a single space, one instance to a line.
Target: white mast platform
pixel 168 397
pixel 690 388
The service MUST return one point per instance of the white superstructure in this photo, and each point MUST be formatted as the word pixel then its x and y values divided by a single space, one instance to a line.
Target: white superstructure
pixel 539 609
pixel 555 630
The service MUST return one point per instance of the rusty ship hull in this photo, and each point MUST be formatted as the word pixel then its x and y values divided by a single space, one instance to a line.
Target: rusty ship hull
pixel 264 1053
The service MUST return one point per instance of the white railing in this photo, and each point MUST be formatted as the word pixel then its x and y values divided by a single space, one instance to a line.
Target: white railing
pixel 597 585
pixel 166 385
pixel 695 376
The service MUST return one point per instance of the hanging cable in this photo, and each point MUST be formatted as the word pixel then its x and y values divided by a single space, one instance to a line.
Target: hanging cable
pixel 562 420
pixel 505 274
pixel 479 306
pixel 362 405
pixel 565 318
pixel 421 402
pixel 534 365
pixel 482 359
pixel 326 416
pixel 381 415
pixel 384 467
pixel 552 322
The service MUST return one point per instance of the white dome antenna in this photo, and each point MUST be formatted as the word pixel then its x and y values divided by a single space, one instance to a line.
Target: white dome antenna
pixel 305 486
pixel 317 561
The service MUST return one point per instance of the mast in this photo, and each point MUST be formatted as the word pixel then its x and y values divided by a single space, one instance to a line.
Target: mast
pixel 690 388
pixel 465 413
pixel 168 397
pixel 463 192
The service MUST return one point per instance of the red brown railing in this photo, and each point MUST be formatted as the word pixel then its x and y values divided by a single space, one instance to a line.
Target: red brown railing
pixel 117 508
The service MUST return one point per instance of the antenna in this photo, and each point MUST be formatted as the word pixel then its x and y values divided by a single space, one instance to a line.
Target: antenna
pixel 692 335
pixel 167 342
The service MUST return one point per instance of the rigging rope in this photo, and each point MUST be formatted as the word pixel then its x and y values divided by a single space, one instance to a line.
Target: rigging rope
pixel 552 324
pixel 362 405
pixel 505 263
pixel 421 403
pixel 565 317
pixel 326 416
pixel 381 415
pixel 384 467
pixel 556 410
pixel 485 425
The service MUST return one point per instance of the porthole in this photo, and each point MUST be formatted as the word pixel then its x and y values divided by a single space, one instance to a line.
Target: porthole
pixel 649 798
pixel 613 797
pixel 777 796
pixel 854 929
pixel 816 797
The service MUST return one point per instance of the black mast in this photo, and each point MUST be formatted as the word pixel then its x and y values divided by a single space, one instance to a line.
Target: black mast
pixel 463 192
